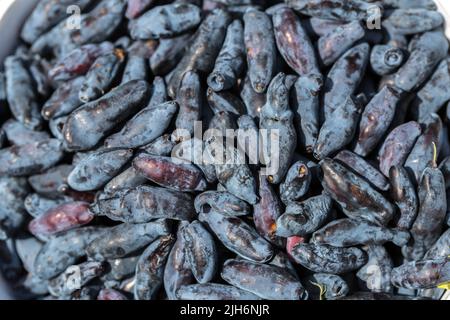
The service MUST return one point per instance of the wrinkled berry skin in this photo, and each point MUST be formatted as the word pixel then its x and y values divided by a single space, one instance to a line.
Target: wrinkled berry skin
pixel 201 252
pixel 421 274
pixel 56 127
pixel 38 70
pixel 335 286
pixel 348 232
pixel 431 214
pixel 283 261
pixel 119 241
pixel 301 219
pixel 357 198
pixel 237 178
pixel 150 268
pixel 277 115
pixel 61 286
pixel 328 259
pixel 297 182
pixel 377 272
pixel 221 202
pixel 177 272
pixel 143 204
pixel 265 281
